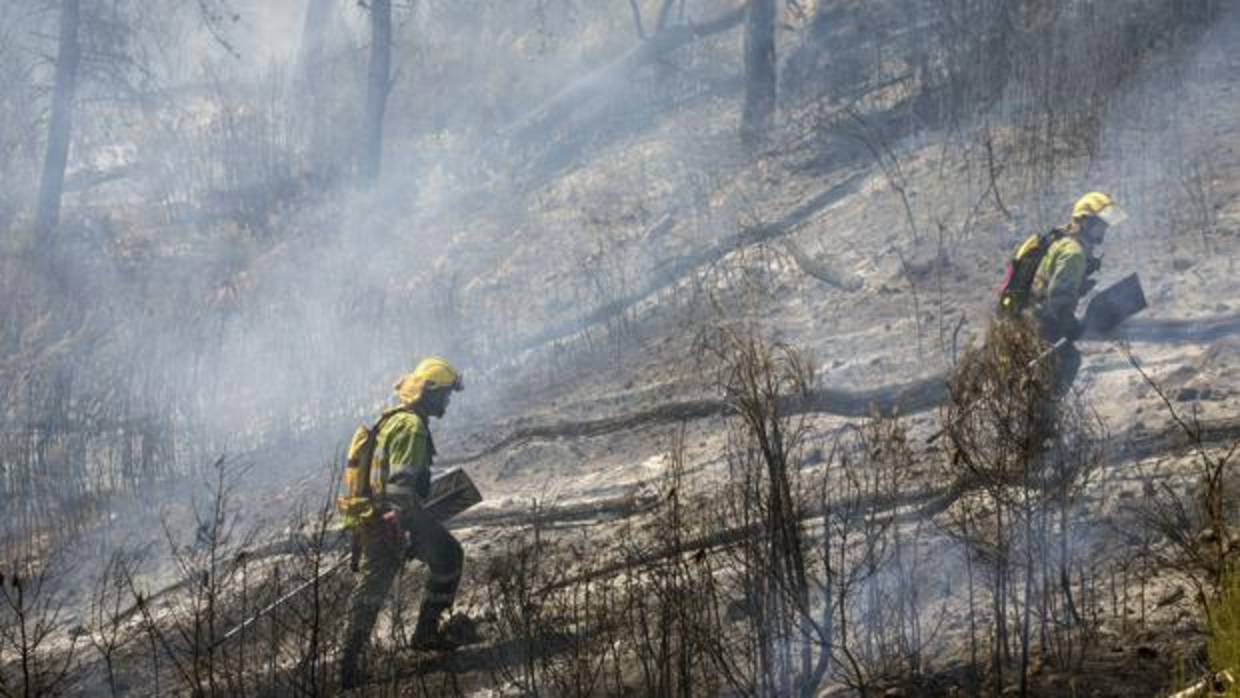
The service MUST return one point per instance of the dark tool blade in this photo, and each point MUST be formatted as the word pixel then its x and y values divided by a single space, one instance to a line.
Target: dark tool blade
pixel 451 493
pixel 1115 304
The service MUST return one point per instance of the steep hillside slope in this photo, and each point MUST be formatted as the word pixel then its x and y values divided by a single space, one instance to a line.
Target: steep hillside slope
pixel 601 294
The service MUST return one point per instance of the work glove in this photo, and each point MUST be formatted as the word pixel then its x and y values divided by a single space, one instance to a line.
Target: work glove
pixel 391 524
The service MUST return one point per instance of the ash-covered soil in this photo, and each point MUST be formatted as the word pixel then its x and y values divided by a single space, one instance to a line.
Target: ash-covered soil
pixel 927 239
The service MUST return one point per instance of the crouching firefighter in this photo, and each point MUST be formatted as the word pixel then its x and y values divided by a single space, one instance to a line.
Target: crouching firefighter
pixel 1050 272
pixel 388 478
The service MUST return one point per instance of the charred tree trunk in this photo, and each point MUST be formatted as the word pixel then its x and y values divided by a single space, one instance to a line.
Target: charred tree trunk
pixel 820 25
pixel 68 56
pixel 378 84
pixel 665 11
pixel 313 38
pixel 802 66
pixel 759 71
pixel 309 91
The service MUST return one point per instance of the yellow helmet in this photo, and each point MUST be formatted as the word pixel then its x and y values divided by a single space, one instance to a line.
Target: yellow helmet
pixel 432 372
pixel 1095 203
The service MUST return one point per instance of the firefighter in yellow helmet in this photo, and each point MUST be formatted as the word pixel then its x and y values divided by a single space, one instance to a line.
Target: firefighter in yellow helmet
pixel 400 527
pixel 1050 273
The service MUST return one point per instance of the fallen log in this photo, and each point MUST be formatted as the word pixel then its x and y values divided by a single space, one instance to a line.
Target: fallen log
pixel 902 398
pixel 921 505
pixel 822 271
pixel 1159 331
pixel 674 271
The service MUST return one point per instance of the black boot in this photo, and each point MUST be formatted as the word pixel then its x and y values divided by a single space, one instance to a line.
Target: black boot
pixel 427 636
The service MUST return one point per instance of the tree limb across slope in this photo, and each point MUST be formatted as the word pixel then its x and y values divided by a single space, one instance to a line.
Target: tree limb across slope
pixel 903 398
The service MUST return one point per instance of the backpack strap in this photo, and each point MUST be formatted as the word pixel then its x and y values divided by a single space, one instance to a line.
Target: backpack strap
pixel 383 420
pixel 357 504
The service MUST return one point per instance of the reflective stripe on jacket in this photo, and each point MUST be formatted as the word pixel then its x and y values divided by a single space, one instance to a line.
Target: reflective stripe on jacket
pixel 405 446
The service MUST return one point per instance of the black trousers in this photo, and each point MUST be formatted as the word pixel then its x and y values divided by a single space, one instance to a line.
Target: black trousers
pixel 1067 366
pixel 383 555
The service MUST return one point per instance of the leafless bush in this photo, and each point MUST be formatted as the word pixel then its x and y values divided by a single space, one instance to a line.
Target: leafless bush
pixel 187 629
pixel 1021 457
pixel 1039 78
pixel 821 580
pixel 233 157
pixel 69 451
pixel 604 284
pixel 514 581
pixel 769 496
pixel 1197 180
pixel 649 620
pixel 307 626
pixel 874 562
pixel 1196 524
pixel 670 614
pixel 34 661
pixel 109 599
pixel 584 647
pixel 74 434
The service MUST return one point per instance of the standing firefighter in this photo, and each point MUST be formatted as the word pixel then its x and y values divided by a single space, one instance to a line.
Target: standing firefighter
pixel 388 480
pixel 1049 273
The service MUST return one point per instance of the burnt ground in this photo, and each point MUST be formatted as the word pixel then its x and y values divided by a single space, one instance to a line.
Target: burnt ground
pixel 914 310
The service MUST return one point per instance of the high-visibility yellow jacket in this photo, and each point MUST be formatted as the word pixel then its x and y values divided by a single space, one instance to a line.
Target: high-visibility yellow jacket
pixel 403 453
pixel 397 475
pixel 1057 285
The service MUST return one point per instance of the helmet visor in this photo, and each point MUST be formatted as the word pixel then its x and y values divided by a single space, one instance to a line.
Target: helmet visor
pixel 457 384
pixel 1113 215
